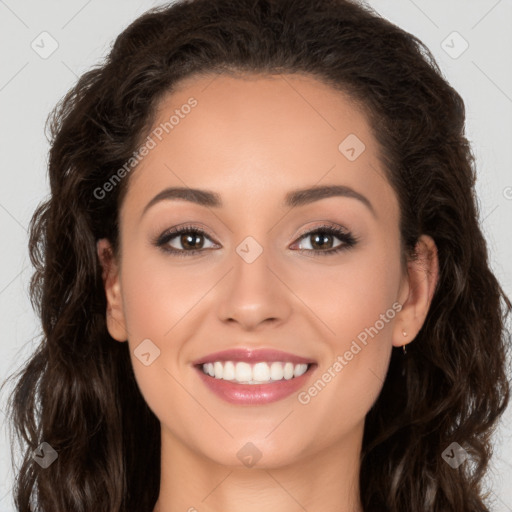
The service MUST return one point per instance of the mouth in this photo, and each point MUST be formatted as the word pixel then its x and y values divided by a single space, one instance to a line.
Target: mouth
pixel 264 372
pixel 252 377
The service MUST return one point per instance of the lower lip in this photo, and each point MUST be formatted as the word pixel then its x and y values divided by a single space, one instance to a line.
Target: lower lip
pixel 254 394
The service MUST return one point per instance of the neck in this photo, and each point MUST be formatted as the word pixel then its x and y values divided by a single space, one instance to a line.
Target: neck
pixel 326 480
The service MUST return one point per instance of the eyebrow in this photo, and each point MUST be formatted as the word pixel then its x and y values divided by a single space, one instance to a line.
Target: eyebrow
pixel 293 199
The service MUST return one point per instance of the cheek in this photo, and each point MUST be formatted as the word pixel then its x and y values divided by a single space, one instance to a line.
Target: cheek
pixel 357 304
pixel 158 301
pixel 158 294
pixel 350 297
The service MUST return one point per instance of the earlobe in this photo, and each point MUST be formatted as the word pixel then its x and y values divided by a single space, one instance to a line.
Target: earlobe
pixel 115 320
pixel 421 281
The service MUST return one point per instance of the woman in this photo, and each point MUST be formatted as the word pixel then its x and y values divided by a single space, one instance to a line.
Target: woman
pixel 260 275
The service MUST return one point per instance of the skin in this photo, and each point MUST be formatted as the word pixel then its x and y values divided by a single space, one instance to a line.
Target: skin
pixel 253 139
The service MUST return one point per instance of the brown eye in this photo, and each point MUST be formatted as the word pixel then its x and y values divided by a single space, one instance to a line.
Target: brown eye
pixel 183 241
pixel 322 240
pixel 192 241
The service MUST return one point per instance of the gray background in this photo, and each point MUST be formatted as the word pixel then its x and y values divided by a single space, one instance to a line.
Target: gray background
pixel 31 85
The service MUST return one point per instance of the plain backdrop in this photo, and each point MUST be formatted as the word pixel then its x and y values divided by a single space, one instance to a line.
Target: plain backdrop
pixel 470 39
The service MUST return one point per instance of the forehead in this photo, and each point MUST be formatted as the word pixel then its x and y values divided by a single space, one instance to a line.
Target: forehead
pixel 254 136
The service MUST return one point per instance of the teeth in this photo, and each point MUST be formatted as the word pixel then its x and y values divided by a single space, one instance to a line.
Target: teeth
pixel 218 370
pixel 229 371
pixel 245 373
pixel 288 371
pixel 276 371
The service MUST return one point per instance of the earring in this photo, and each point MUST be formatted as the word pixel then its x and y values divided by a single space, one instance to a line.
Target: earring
pixel 403 346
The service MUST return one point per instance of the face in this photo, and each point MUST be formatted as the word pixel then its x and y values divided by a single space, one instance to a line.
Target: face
pixel 259 265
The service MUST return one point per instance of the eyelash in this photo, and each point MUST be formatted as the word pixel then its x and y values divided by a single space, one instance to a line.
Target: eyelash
pixel 344 236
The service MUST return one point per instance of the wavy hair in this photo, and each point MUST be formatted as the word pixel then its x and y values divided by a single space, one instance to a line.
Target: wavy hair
pixel 77 391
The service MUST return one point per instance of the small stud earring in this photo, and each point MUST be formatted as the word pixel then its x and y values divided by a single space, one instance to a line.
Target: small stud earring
pixel 403 346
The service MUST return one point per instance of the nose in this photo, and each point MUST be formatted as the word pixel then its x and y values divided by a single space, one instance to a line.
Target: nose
pixel 253 294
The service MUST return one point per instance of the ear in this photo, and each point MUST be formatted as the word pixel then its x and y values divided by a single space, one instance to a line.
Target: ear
pixel 116 324
pixel 416 291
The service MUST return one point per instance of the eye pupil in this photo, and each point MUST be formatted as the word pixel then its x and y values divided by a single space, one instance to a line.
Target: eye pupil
pixel 325 238
pixel 189 240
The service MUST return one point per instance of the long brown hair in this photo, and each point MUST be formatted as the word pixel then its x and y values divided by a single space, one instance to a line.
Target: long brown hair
pixel 77 392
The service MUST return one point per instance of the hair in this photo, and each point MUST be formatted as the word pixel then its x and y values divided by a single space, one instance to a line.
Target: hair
pixel 77 391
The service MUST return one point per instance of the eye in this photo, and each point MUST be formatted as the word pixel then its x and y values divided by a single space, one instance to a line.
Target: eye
pixel 322 238
pixel 183 241
pixel 190 240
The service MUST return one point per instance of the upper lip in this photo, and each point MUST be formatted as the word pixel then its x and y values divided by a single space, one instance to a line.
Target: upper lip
pixel 252 355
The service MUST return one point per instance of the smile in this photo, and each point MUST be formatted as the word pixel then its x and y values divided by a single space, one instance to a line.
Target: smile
pixel 258 373
pixel 249 376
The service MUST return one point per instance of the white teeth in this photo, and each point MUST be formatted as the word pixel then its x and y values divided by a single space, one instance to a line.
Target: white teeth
pixel 300 369
pixel 288 371
pixel 261 372
pixel 276 371
pixel 243 372
pixel 229 371
pixel 218 369
pixel 258 373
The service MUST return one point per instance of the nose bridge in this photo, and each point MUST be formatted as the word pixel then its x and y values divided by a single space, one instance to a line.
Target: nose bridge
pixel 253 294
